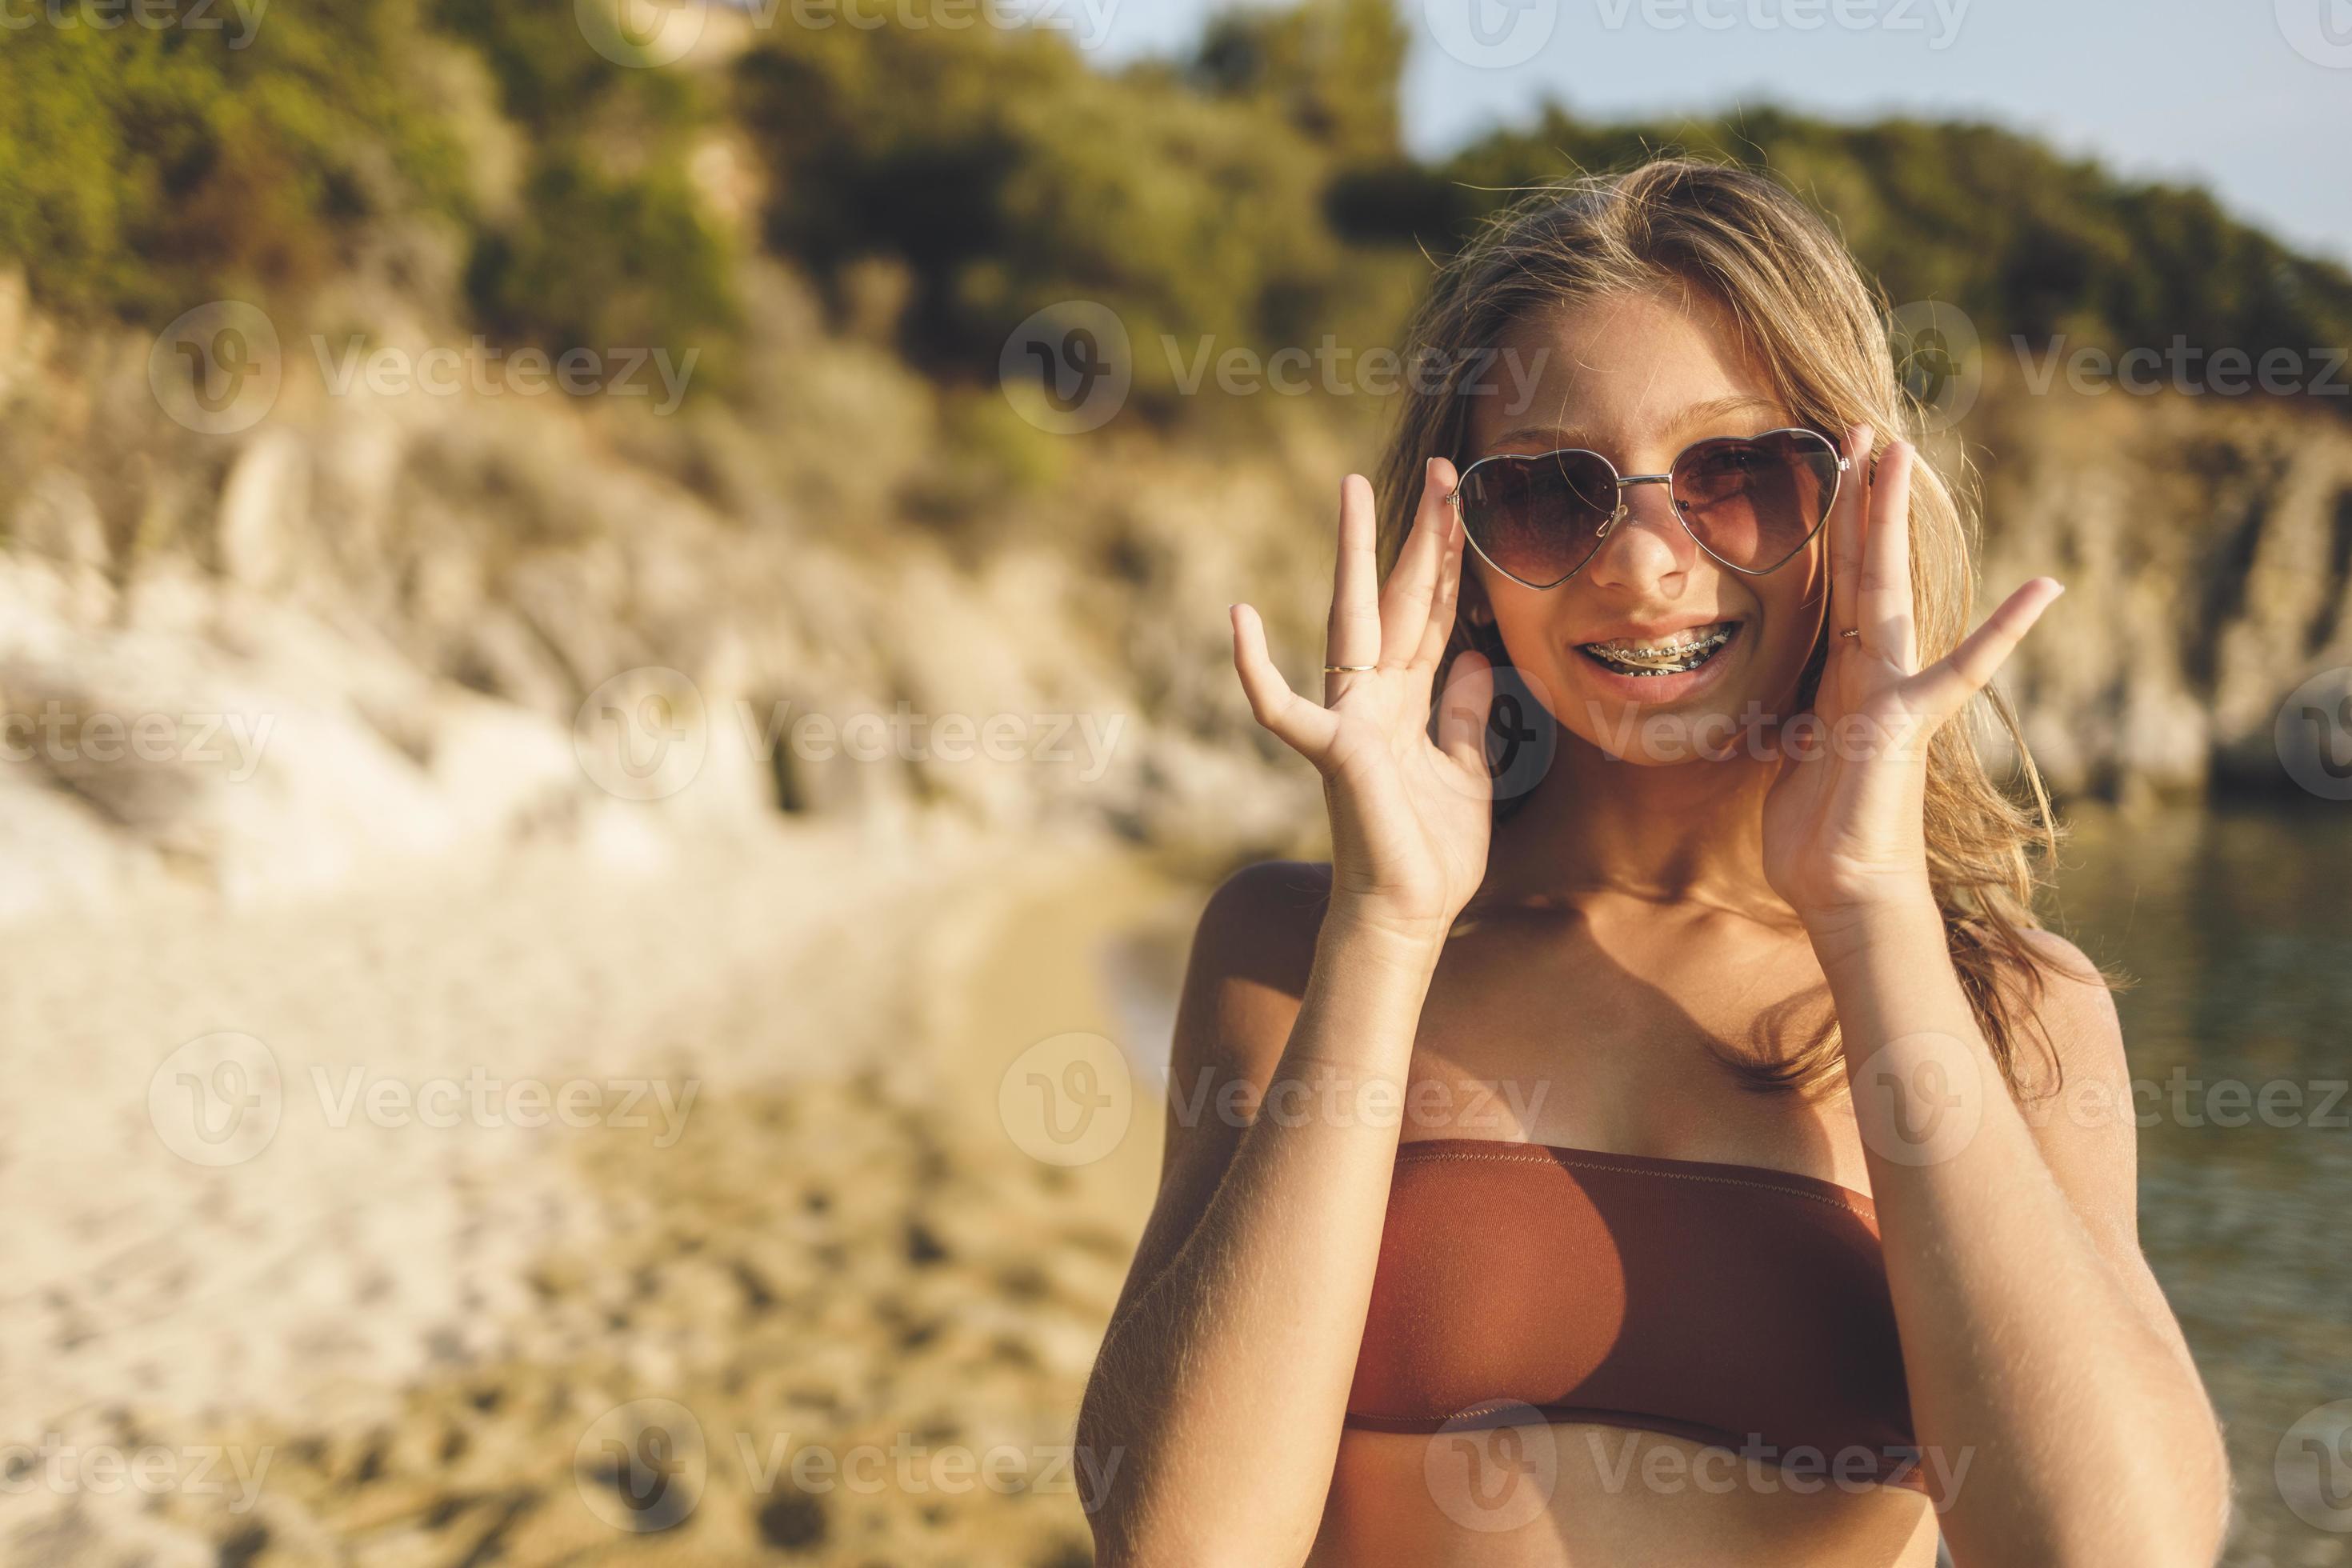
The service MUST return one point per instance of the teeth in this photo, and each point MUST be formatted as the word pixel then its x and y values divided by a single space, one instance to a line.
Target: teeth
pixel 1684 650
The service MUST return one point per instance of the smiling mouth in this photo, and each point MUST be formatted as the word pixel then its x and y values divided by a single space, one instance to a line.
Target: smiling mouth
pixel 1676 654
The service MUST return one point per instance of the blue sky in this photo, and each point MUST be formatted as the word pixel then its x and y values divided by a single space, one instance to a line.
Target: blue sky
pixel 2250 97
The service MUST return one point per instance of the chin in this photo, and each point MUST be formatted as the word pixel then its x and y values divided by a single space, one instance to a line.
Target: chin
pixel 1696 712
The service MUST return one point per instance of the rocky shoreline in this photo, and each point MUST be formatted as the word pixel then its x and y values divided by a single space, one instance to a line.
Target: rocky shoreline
pixel 420 1339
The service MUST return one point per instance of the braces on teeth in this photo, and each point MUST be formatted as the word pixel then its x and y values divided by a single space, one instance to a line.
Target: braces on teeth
pixel 1664 660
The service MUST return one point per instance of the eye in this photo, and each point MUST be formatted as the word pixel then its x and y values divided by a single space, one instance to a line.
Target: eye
pixel 1719 472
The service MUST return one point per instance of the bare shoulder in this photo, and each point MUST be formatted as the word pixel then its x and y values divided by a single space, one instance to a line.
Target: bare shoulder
pixel 2076 1010
pixel 1251 956
pixel 1262 921
pixel 1251 953
pixel 2083 1122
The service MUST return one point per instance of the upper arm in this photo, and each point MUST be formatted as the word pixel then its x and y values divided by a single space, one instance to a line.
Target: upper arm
pixel 2087 1129
pixel 1250 958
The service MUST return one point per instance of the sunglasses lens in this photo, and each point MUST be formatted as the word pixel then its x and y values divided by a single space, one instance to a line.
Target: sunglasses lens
pixel 1754 503
pixel 1538 519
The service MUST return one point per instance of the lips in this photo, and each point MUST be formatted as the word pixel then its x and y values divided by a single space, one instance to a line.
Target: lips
pixel 1673 653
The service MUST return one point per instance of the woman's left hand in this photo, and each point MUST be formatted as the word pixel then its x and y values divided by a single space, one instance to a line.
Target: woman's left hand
pixel 1842 825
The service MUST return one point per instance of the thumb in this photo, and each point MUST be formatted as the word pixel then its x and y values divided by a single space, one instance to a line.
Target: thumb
pixel 1462 709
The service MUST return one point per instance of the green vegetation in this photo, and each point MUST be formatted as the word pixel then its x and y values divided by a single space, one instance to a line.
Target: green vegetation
pixel 143 171
pixel 1255 193
pixel 2021 239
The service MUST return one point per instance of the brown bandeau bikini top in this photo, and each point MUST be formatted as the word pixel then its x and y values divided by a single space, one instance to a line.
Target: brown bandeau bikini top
pixel 1732 1306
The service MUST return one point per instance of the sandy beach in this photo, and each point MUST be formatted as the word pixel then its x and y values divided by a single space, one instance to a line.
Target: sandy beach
pixel 776 1277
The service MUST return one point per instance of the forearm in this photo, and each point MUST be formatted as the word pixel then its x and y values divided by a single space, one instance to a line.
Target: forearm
pixel 2084 1433
pixel 1259 1314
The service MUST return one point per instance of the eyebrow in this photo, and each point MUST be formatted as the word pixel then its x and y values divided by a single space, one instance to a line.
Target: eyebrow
pixel 1561 438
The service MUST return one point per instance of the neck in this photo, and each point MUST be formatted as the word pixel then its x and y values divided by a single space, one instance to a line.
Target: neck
pixel 1690 831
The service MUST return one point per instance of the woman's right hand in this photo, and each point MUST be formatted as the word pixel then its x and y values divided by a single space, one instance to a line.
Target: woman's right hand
pixel 1409 818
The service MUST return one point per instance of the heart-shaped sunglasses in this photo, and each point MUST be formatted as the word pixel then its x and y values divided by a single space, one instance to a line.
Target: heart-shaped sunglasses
pixel 1751 503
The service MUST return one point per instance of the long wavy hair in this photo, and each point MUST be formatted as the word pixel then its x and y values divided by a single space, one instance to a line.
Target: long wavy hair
pixel 1807 319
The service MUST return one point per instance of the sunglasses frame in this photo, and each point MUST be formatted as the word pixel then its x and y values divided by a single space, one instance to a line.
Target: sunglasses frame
pixel 1625 481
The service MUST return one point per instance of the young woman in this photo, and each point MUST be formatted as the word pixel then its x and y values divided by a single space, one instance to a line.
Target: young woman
pixel 1661 1137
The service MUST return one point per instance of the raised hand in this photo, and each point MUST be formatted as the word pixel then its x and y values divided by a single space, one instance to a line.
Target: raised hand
pixel 1842 825
pixel 1409 816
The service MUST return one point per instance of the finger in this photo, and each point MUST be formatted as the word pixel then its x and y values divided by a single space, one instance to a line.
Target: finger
pixel 1304 727
pixel 1412 587
pixel 1354 637
pixel 1446 527
pixel 1846 518
pixel 1950 681
pixel 1462 715
pixel 1883 601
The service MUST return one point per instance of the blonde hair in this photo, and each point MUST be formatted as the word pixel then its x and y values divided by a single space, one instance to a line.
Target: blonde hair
pixel 1808 319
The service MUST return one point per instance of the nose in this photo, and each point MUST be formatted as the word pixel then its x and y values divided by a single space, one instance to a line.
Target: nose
pixel 1646 551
